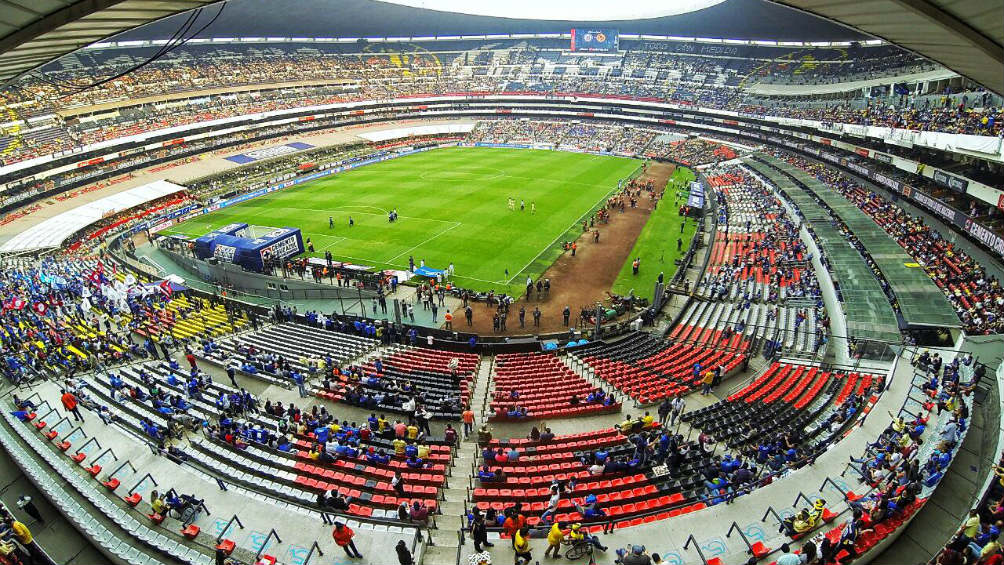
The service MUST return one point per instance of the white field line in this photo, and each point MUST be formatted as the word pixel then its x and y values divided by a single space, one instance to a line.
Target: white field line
pixel 563 232
pixel 410 249
pixel 338 239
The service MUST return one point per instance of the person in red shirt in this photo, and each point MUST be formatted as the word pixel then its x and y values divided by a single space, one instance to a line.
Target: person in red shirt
pixel 70 404
pixel 343 537
pixel 513 524
pixel 191 359
pixel 468 417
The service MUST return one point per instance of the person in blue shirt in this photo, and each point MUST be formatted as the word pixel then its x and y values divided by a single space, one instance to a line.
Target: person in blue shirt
pixel 485 474
pixel 762 453
pixel 298 379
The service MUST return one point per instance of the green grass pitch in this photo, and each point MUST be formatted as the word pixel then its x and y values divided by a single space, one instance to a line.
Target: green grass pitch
pixel 452 207
pixel 656 245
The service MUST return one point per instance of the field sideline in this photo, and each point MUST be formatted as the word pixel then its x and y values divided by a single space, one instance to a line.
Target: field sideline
pixel 656 246
pixel 452 207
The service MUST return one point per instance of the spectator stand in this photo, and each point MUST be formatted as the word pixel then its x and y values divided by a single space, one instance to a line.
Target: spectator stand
pixel 650 370
pixel 535 386
pixel 211 473
pixel 991 491
pixel 262 353
pixel 757 260
pixel 771 497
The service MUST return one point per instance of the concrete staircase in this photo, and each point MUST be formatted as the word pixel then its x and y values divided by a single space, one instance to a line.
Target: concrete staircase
pixel 447 537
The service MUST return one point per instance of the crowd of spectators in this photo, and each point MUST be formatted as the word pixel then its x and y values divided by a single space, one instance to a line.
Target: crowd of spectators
pixel 328 78
pixel 690 151
pixel 591 137
pixel 766 252
pixel 975 294
pixel 60 316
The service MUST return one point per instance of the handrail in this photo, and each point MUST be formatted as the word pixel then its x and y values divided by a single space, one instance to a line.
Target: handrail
pixel 226 529
pixel 735 527
pixel 314 547
pixel 264 544
pixel 697 546
pixel 141 481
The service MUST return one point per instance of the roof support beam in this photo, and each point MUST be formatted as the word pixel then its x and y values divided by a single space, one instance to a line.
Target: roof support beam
pixel 940 17
pixel 71 13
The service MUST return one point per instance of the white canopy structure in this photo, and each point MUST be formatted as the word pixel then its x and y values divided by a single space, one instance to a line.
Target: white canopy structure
pixel 54 231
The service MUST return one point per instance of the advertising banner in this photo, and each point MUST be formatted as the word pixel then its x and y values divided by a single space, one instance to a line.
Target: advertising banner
pixel 951 181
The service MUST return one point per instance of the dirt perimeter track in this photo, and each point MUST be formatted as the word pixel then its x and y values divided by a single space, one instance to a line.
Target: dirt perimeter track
pixel 584 279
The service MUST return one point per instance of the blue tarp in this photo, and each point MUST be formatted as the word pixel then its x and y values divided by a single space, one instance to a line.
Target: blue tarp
pixel 428 272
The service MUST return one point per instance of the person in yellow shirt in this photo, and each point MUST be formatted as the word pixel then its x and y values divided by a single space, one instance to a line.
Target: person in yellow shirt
pixel 647 420
pixel 382 423
pixel 399 445
pixel 24 537
pixel 314 453
pixel 157 503
pixel 627 425
pixel 555 536
pixel 521 543
pixel 412 431
pixel 709 377
pixel 20 531
pixel 423 451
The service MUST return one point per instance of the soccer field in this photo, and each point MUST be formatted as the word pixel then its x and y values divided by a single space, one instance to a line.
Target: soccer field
pixel 452 206
pixel 656 246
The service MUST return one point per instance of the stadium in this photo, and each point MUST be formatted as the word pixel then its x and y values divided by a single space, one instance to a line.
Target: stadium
pixel 313 282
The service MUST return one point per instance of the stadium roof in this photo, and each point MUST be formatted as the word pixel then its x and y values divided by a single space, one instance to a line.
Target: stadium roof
pixel 55 230
pixel 34 32
pixel 585 10
pixel 966 36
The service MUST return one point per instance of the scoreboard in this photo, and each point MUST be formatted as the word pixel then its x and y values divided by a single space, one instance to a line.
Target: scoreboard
pixel 594 39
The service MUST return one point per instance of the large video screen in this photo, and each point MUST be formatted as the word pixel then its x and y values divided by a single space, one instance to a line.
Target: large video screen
pixel 594 39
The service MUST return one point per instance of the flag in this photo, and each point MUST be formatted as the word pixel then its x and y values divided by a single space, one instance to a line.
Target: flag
pixel 41 307
pixel 165 287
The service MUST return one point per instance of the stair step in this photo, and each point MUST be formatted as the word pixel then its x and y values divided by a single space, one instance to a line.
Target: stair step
pixel 446 538
pixel 450 522
pixel 455 494
pixel 440 554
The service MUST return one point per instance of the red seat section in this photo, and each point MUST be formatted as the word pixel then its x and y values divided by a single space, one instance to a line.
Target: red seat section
pixel 544 386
